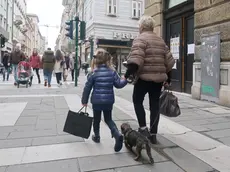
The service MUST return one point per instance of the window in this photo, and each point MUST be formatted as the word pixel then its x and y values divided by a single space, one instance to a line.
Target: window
pixel 136 9
pixel 1 20
pixel 91 10
pixel 172 3
pixel 112 7
pixel 4 23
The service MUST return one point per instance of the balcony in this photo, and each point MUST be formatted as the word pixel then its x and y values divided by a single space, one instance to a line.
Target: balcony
pixel 24 29
pixel 18 20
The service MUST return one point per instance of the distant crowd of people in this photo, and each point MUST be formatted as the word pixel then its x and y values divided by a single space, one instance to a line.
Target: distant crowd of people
pixel 51 62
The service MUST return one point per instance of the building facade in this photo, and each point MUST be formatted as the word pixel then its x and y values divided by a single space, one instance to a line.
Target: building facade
pixel 20 21
pixel 38 41
pixel 184 24
pixel 112 25
pixel 6 24
pixel 63 43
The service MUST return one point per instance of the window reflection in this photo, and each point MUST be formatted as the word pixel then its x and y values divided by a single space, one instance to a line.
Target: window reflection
pixel 173 3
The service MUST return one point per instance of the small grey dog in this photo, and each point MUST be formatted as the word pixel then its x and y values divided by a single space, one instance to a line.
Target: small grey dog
pixel 133 138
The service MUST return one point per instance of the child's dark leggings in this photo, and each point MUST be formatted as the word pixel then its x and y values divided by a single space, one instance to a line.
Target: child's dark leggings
pixel 108 120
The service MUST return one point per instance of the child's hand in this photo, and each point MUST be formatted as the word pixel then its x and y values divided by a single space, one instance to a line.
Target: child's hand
pixel 123 77
pixel 85 105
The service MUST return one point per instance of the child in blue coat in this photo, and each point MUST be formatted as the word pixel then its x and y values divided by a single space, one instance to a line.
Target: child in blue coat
pixel 102 80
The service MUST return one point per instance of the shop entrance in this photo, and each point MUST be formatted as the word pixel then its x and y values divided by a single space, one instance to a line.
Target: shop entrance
pixel 179 26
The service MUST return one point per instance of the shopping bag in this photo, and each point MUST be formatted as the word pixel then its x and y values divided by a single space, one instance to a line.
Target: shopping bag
pixel 78 123
pixel 169 104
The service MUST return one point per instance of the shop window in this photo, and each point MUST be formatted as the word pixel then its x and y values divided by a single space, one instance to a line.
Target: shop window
pixel 112 7
pixel 136 9
pixel 172 3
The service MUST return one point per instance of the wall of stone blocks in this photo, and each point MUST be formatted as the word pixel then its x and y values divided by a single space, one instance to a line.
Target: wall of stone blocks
pixel 213 16
pixel 154 8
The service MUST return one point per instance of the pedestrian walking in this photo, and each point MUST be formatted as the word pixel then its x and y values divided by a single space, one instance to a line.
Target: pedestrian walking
pixel 7 65
pixel 59 66
pixel 35 62
pixel 102 80
pixel 150 62
pixel 48 61
pixel 71 65
pixel 16 56
pixel 67 59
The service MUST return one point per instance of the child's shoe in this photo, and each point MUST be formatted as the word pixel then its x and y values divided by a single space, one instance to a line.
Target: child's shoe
pixel 96 139
pixel 118 140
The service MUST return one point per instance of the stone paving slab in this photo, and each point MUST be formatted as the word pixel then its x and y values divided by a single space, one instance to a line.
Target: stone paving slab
pixel 225 140
pixel 56 140
pixel 2 169
pixel 219 133
pixel 187 161
pixel 70 165
pixel 158 167
pixel 13 143
pixel 106 162
pixel 217 126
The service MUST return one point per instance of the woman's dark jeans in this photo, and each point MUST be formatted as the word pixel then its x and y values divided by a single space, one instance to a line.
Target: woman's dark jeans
pixel 108 120
pixel 72 74
pixel 58 77
pixel 47 75
pixel 139 92
pixel 37 73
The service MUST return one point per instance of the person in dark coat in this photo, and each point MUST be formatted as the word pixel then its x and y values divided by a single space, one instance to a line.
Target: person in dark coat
pixel 6 64
pixel 102 80
pixel 48 61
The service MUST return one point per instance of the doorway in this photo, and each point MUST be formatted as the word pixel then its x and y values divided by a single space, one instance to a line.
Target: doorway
pixel 179 22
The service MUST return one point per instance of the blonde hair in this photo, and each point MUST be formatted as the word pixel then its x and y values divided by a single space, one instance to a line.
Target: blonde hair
pixel 147 23
pixel 101 57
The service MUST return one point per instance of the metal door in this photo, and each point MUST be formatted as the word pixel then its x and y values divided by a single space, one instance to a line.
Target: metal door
pixel 189 58
pixel 173 29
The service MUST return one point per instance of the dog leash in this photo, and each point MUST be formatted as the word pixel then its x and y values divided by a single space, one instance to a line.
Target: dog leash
pixel 158 116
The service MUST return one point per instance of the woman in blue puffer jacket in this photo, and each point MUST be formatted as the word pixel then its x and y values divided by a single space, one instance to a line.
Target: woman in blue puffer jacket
pixel 102 80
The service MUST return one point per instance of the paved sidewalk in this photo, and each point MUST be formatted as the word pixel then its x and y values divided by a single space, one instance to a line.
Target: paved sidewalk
pixel 32 137
pixel 35 141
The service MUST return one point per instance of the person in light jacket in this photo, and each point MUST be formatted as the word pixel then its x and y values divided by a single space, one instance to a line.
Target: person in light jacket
pixel 151 62
pixel 59 66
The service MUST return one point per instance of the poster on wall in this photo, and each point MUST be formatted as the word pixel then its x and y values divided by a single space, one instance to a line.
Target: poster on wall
pixel 175 47
pixel 210 67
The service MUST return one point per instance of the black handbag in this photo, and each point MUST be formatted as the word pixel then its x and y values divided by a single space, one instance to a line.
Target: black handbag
pixel 169 104
pixel 78 123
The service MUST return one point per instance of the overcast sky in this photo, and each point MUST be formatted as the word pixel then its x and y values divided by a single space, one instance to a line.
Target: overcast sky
pixel 49 12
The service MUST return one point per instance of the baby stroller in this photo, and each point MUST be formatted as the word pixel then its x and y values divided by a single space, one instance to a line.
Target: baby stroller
pixel 24 74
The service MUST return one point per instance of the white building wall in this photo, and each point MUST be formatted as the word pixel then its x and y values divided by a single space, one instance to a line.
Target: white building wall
pixel 102 25
pixel 19 10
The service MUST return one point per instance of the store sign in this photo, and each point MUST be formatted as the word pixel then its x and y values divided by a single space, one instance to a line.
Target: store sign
pixel 117 35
